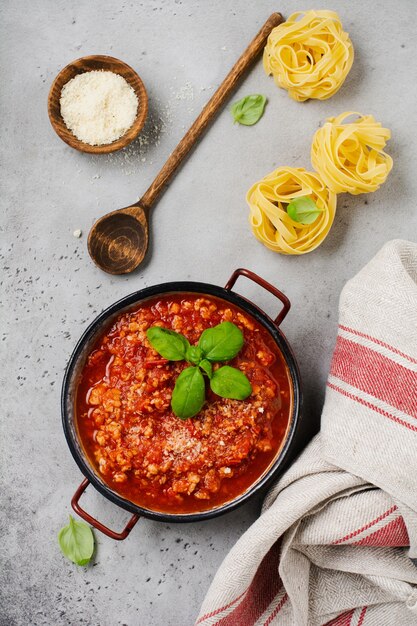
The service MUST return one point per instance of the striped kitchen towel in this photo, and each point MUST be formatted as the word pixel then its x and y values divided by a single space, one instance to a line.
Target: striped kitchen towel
pixel 335 541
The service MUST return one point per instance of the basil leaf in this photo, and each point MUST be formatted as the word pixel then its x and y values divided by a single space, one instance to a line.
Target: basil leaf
pixel 229 382
pixel 167 343
pixel 76 541
pixel 222 342
pixel 249 109
pixel 189 393
pixel 207 367
pixel 193 354
pixel 303 210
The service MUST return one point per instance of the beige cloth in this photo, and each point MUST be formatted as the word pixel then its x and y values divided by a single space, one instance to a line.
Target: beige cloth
pixel 334 541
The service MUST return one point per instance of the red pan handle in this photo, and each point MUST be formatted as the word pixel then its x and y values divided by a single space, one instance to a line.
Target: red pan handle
pixel 263 283
pixel 95 523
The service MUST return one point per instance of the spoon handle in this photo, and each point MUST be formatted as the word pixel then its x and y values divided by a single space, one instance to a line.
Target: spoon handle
pixel 209 112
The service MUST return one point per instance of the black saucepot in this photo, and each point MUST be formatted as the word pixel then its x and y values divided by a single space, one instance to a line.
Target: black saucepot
pixel 83 349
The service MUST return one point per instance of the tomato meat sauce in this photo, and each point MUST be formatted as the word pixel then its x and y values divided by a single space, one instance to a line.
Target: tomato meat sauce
pixel 142 450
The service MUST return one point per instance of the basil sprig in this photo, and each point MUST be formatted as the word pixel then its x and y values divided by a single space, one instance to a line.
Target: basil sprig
pixel 220 343
pixel 249 109
pixel 168 343
pixel 229 382
pixel 207 367
pixel 193 354
pixel 303 210
pixel 76 541
pixel 189 393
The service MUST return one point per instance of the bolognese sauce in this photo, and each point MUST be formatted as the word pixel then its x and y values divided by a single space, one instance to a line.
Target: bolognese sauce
pixel 142 450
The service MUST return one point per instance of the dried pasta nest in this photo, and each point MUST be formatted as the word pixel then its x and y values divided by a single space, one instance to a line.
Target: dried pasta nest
pixel 271 224
pixel 310 55
pixel 349 156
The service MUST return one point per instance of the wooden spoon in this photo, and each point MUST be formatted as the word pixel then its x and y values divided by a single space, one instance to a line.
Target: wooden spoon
pixel 118 241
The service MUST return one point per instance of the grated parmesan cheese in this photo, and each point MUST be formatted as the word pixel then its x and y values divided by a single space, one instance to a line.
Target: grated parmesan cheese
pixel 98 106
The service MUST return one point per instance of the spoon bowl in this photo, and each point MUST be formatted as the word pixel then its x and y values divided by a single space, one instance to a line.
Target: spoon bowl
pixel 119 240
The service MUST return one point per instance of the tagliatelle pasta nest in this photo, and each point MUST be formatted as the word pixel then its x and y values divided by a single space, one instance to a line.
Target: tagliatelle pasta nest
pixel 310 55
pixel 271 224
pixel 349 156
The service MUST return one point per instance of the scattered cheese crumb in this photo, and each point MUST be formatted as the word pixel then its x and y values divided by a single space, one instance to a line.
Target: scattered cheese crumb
pixel 186 92
pixel 77 233
pixel 98 106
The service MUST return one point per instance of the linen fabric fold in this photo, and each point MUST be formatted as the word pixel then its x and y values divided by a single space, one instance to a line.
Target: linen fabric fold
pixel 335 541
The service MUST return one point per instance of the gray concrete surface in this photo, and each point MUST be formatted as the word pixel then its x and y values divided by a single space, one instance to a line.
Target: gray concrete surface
pixel 50 290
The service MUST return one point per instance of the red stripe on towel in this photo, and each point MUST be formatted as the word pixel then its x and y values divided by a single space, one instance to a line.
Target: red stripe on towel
pixel 373 407
pixel 394 534
pixel 378 342
pixel 362 616
pixel 357 532
pixel 376 375
pixel 220 610
pixel 276 610
pixel 344 619
pixel 264 587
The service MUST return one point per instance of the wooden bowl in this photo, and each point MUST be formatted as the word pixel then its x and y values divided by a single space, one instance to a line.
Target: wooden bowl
pixel 87 64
